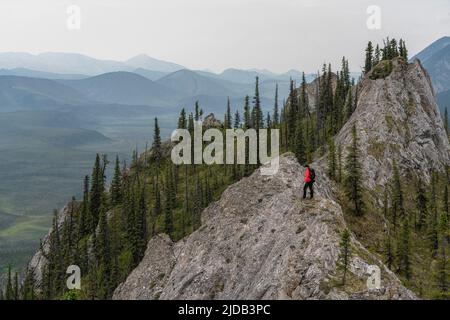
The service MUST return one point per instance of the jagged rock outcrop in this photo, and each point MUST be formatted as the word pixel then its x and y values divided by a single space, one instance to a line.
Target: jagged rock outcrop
pixel 260 241
pixel 397 119
pixel 211 122
pixel 312 90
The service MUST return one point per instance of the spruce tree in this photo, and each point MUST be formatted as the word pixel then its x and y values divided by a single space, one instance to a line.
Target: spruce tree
pixel 116 247
pixel 157 207
pixel 92 280
pixel 228 118
pixel 385 51
pixel 9 292
pixel 16 286
pixel 276 115
pixel 141 224
pixel 398 208
pixel 376 56
pixel 292 114
pixel 403 52
pixel 338 106
pixel 258 117
pixel 303 101
pixel 257 110
pixel 394 48
pixel 332 163
pixel 339 163
pixel 283 129
pixel 403 251
pixel 237 120
pixel 247 115
pixel 55 257
pixel 348 107
pixel 103 248
pixel 84 223
pixel 299 146
pixel 345 75
pixel 191 123
pixel 28 288
pixel 198 196
pixel 353 176
pixel 369 57
pixel 247 125
pixel 421 204
pixel 168 206
pixel 344 255
pixel 385 203
pixel 191 131
pixel 116 184
pixel 432 223
pixel 388 249
pixel 197 111
pixel 442 273
pixel 446 121
pixel 444 216
pixel 185 203
pixel 157 146
pixel 182 122
pixel 96 193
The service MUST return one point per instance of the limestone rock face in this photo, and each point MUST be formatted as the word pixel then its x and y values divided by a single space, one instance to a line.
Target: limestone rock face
pixel 397 119
pixel 312 90
pixel 261 240
pixel 211 122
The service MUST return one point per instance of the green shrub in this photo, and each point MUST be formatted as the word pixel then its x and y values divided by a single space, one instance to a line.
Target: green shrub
pixel 381 70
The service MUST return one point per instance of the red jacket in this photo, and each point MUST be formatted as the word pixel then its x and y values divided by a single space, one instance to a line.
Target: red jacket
pixel 307 175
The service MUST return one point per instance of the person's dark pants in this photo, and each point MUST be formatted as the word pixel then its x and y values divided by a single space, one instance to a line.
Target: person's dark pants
pixel 310 186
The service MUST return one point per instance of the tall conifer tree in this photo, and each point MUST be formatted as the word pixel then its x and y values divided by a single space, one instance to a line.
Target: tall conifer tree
pixel 353 176
pixel 116 184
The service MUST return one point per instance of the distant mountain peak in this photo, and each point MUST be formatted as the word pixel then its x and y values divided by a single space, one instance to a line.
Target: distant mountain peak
pixel 436 60
pixel 433 48
pixel 121 74
pixel 444 38
pixel 146 62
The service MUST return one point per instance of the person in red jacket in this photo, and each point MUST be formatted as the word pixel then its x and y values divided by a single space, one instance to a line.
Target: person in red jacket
pixel 310 177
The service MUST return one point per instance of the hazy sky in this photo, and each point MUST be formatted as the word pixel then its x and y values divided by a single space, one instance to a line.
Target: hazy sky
pixel 217 34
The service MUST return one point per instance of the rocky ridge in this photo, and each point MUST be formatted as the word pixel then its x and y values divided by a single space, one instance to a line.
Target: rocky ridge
pixel 261 241
pixel 397 119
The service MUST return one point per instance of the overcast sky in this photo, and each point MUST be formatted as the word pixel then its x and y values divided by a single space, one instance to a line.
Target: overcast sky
pixel 216 34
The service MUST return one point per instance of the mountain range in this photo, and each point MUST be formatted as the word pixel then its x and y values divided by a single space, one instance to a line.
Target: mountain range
pixel 436 60
pixel 257 238
pixel 111 104
pixel 57 65
pixel 57 110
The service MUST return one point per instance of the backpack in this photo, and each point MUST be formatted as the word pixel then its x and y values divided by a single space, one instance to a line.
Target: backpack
pixel 312 174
